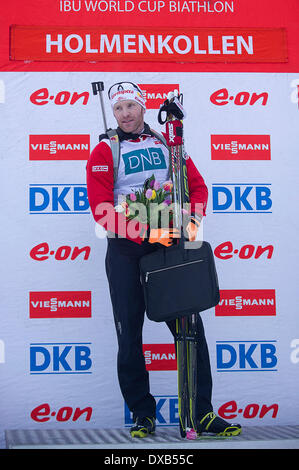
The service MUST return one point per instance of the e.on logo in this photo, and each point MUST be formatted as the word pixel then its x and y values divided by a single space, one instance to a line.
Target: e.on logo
pixel 156 94
pixel 159 356
pixel 227 250
pixel 43 413
pixel 42 97
pixel 222 97
pixel 42 252
pixel 230 410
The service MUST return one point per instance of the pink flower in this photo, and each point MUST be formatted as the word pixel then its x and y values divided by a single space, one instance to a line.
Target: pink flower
pixel 167 202
pixel 133 197
pixel 149 194
pixel 156 185
pixel 167 186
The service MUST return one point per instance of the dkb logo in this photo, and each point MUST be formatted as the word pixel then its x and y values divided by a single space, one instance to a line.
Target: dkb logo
pixel 58 199
pixel 241 198
pixel 167 412
pixel 246 356
pixel 63 358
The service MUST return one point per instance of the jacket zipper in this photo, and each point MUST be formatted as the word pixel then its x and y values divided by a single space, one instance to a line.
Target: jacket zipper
pixel 170 267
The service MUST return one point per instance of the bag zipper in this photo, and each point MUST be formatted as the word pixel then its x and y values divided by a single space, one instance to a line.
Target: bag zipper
pixel 170 267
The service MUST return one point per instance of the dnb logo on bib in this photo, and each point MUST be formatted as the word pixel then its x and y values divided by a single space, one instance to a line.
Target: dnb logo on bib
pixel 144 160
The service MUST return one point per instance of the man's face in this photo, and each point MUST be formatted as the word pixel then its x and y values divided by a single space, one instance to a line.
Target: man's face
pixel 129 116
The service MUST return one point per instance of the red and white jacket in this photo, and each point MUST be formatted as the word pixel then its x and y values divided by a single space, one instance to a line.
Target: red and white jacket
pixel 102 189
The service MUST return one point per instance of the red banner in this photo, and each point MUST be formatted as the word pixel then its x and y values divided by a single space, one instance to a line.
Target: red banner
pixel 240 147
pixel 59 147
pixel 160 356
pixel 59 304
pixel 155 94
pixel 76 43
pixel 246 302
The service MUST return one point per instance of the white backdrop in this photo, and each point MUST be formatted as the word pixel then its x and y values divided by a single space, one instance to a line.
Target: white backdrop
pixel 61 372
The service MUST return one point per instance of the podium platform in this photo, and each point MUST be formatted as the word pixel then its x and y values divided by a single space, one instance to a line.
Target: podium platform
pixel 252 437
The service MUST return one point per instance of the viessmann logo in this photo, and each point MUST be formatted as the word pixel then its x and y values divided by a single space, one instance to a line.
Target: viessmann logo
pixel 240 147
pixel 246 302
pixel 156 94
pixel 159 356
pixel 59 147
pixel 60 304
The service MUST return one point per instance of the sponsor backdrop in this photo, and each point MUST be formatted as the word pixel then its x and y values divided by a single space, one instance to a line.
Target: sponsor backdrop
pixel 237 68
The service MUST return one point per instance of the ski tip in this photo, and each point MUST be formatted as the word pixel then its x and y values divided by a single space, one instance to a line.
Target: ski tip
pixel 191 434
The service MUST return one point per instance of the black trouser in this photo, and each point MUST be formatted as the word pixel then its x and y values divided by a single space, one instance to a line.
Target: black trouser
pixel 122 268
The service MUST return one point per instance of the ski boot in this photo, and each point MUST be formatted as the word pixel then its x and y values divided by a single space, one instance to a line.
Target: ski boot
pixel 211 423
pixel 143 427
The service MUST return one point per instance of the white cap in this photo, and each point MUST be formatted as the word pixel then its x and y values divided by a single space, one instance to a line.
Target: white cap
pixel 123 93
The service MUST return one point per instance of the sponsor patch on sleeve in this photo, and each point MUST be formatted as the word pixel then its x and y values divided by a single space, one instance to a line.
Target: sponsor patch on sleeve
pixel 96 168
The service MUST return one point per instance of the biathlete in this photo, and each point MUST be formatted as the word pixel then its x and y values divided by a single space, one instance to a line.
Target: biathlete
pixel 125 247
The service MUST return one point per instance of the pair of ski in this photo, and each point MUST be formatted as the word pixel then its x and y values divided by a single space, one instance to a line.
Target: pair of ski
pixel 186 327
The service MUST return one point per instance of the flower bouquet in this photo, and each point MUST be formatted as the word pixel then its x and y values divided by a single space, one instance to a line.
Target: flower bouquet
pixel 151 204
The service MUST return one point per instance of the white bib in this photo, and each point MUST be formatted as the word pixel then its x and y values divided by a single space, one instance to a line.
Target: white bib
pixel 138 162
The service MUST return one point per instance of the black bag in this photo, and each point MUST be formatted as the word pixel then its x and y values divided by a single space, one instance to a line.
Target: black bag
pixel 178 282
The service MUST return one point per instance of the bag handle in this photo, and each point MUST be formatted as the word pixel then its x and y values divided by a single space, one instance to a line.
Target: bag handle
pixel 180 245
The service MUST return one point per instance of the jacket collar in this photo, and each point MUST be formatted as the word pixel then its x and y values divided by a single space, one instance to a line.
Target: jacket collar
pixel 129 136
